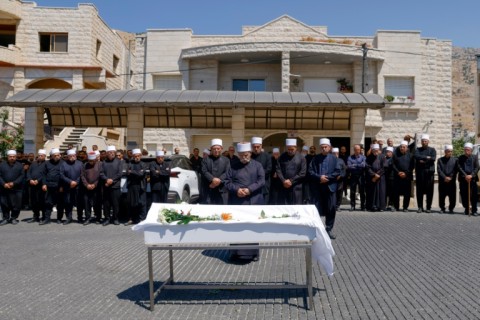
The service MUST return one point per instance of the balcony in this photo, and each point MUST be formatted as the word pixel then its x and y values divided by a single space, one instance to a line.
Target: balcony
pixel 8 55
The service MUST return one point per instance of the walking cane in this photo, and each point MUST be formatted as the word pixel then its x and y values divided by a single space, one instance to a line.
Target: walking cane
pixel 468 206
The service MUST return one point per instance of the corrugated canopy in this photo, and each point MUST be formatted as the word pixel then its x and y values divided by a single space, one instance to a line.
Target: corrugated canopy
pixel 182 108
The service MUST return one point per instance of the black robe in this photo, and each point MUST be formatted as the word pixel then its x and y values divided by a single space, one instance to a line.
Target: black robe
pixel 249 175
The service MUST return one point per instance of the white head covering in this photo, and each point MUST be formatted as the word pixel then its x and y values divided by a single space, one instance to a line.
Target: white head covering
pixel 216 142
pixel 325 141
pixel 390 149
pixel 257 140
pixel 71 151
pixel 305 148
pixel 42 151
pixel 425 136
pixel 335 150
pixel 375 146
pixel 206 151
pixel 244 147
pixel 92 155
pixel 276 150
pixel 54 150
pixel 97 153
pixel 448 147
pixel 404 143
pixel 160 153
pixel 136 151
pixel 11 153
pixel 111 148
pixel 468 145
pixel 291 142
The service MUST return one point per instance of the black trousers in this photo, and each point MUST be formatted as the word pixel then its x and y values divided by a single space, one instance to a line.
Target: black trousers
pixel 11 203
pixel 473 194
pixel 111 203
pixel 92 199
pixel 70 197
pixel 37 201
pixel 53 197
pixel 357 180
pixel 447 190
pixel 326 205
pixel 402 187
pixel 425 183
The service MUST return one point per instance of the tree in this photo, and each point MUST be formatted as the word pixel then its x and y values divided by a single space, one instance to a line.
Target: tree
pixel 11 135
pixel 459 143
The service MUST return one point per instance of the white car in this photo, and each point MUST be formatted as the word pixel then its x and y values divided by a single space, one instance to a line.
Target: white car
pixel 184 185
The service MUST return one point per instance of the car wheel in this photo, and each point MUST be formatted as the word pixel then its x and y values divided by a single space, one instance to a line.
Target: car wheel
pixel 186 196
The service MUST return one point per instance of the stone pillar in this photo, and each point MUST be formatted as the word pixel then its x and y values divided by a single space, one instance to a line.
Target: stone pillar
pixel 17 115
pixel 285 71
pixel 33 135
pixel 134 128
pixel 77 79
pixel 238 125
pixel 357 127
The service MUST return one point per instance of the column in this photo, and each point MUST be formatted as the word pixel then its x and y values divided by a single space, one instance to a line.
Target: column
pixel 134 128
pixel 285 71
pixel 33 135
pixel 357 127
pixel 238 124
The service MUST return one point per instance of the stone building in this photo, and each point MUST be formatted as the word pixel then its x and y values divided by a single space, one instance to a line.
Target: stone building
pixel 286 55
pixel 59 48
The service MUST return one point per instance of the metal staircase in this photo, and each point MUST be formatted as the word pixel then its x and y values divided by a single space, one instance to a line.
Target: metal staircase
pixel 75 138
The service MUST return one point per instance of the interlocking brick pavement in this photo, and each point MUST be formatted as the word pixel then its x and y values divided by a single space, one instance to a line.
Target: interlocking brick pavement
pixel 387 266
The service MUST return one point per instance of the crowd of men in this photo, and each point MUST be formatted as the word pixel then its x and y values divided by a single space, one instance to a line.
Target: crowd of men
pixel 110 187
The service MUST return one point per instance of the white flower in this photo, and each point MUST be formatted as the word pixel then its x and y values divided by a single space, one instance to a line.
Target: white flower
pixel 161 218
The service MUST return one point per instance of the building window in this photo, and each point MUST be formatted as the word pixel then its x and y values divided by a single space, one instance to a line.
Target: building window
pixel 399 87
pixel 116 62
pixel 167 82
pixel 7 35
pixel 53 42
pixel 98 48
pixel 248 85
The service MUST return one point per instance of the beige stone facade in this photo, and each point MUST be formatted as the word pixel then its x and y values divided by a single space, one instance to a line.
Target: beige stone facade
pixel 62 48
pixel 289 56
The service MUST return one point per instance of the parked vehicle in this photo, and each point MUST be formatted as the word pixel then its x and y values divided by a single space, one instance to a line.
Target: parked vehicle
pixel 184 184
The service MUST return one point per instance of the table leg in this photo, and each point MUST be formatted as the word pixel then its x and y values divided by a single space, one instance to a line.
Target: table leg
pixel 170 258
pixel 308 263
pixel 150 279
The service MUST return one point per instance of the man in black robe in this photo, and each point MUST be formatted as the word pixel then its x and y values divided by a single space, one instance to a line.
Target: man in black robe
pixel 137 187
pixel 70 175
pixel 91 181
pixel 159 178
pixel 447 173
pixel 389 177
pixel 275 183
pixel 376 183
pixel 265 160
pixel 402 165
pixel 307 186
pixel 356 165
pixel 34 181
pixel 324 171
pixel 244 181
pixel 468 175
pixel 340 178
pixel 11 188
pixel 291 170
pixel 425 157
pixel 51 185
pixel 111 174
pixel 214 169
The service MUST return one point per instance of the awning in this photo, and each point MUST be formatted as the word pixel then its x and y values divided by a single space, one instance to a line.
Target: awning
pixel 182 108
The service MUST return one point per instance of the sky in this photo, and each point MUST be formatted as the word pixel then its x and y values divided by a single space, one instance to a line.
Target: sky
pixel 457 20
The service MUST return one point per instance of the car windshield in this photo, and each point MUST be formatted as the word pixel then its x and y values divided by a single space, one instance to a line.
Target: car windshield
pixel 181 162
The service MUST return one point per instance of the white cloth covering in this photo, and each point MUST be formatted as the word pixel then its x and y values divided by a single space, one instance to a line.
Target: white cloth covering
pixel 249 217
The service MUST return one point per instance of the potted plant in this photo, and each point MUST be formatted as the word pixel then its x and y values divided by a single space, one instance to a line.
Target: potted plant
pixel 345 85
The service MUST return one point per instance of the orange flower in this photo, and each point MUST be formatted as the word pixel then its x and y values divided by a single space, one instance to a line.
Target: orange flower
pixel 226 216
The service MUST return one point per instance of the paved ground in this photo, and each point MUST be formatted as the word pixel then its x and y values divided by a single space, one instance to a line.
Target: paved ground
pixel 388 266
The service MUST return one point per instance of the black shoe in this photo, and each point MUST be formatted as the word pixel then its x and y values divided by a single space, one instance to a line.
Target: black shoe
pixel 33 220
pixel 405 210
pixel 475 214
pixel 46 221
pixel 3 222
pixel 116 222
pixel 442 210
pixel 80 220
pixel 331 235
pixel 87 222
pixel 362 209
pixel 59 221
pixel 352 208
pixel 106 222
pixel 451 211
pixel 128 223
pixel 428 211
pixel 68 221
pixel 14 221
pixel 420 210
